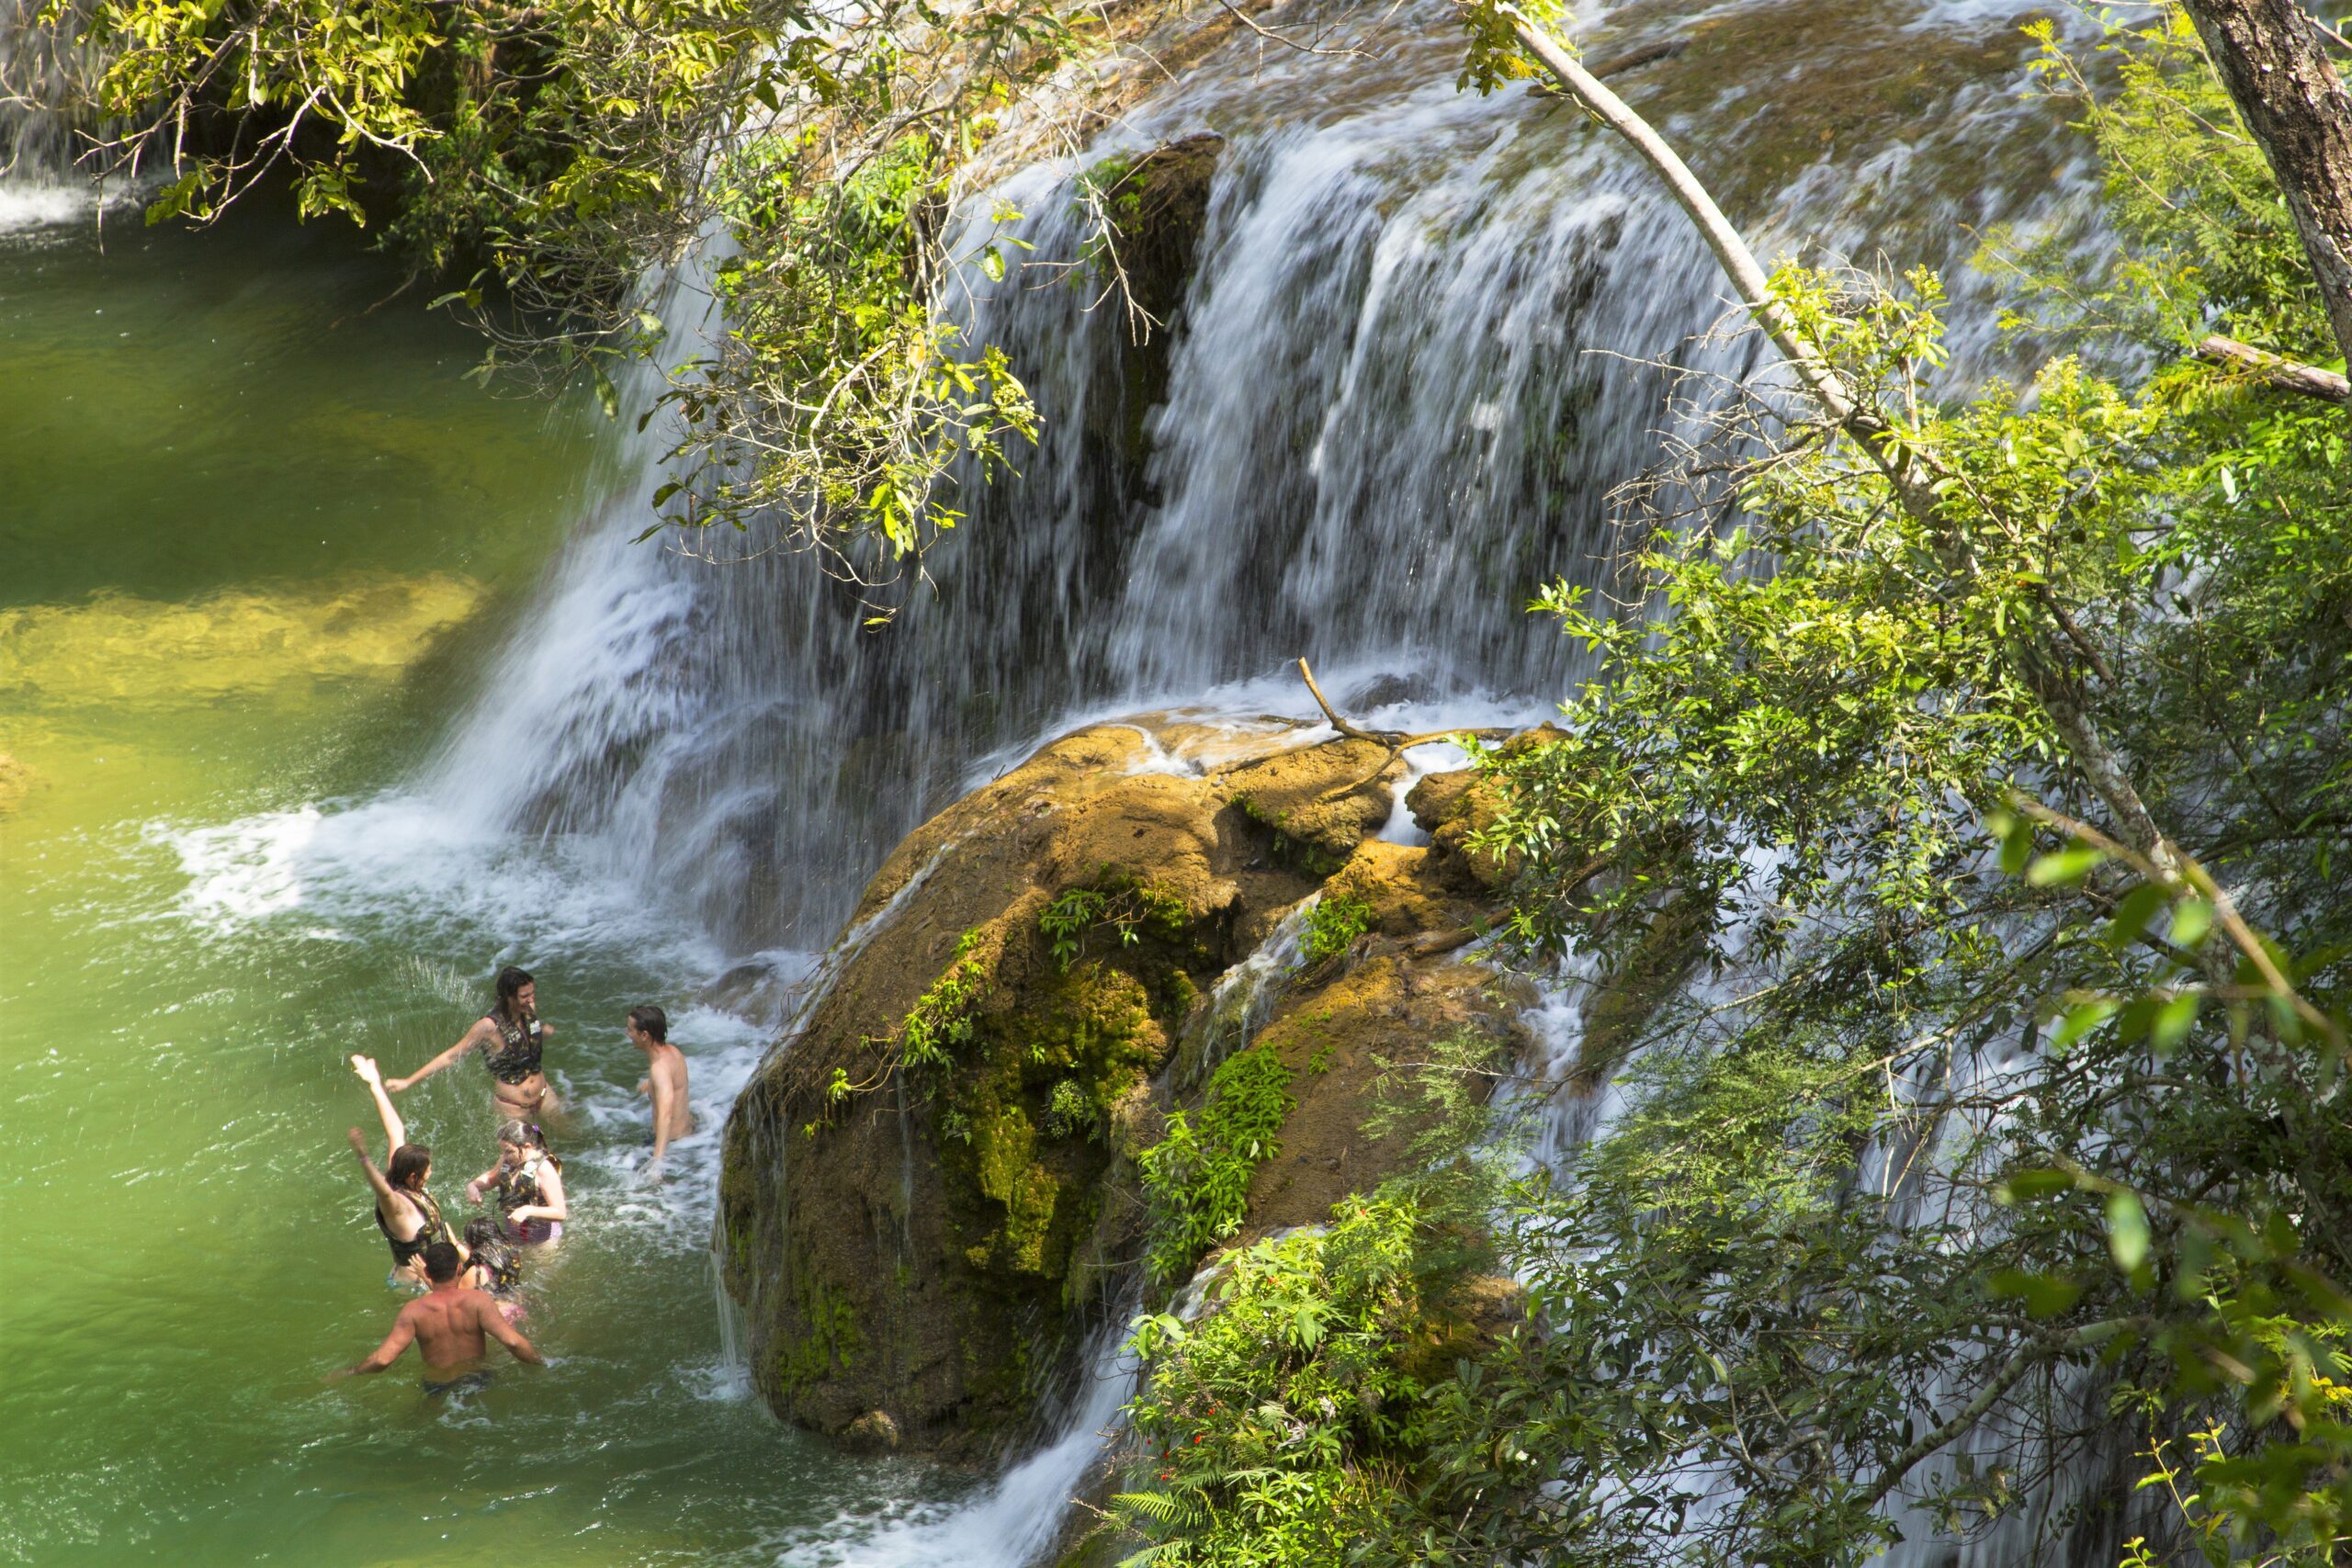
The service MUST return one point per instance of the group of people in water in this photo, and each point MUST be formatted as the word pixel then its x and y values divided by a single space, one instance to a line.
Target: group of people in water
pixel 471 1281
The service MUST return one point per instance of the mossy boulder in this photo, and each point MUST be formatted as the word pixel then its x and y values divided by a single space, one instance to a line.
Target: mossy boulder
pixel 929 1185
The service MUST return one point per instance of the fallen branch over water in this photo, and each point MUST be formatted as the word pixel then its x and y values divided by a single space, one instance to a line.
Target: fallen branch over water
pixel 1394 739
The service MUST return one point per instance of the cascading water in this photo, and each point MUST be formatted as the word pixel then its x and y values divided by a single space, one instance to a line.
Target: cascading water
pixel 1423 340
pixel 1426 333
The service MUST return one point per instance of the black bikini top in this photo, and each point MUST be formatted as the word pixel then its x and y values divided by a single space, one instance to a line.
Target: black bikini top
pixel 426 1210
pixel 515 1058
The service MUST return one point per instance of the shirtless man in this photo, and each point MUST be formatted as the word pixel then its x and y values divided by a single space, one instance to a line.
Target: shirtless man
pixel 664 1080
pixel 447 1325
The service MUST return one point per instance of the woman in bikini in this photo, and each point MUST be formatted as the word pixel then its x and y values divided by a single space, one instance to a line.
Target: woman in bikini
pixel 528 1184
pixel 509 1037
pixel 405 1211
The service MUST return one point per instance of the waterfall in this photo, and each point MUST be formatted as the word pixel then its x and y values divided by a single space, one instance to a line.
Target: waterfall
pixel 38 184
pixel 1427 334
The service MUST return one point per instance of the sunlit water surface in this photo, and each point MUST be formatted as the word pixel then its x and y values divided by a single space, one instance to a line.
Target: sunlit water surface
pixel 254 538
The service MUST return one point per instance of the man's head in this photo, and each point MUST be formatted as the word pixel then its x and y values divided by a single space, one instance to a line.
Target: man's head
pixel 650 1023
pixel 441 1262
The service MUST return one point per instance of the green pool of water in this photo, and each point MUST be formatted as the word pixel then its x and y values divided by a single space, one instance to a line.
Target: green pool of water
pixel 256 541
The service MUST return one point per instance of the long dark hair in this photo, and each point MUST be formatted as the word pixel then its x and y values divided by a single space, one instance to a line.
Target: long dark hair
pixel 510 985
pixel 486 1248
pixel 410 1162
pixel 526 1136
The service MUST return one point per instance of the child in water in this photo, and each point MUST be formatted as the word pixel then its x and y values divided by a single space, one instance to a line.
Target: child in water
pixel 528 1182
pixel 492 1266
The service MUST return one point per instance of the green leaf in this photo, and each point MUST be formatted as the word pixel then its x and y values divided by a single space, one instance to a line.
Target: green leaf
pixel 2064 869
pixel 2026 1186
pixel 2172 1023
pixel 2081 1018
pixel 2043 1295
pixel 2132 914
pixel 2127 1231
pixel 2191 920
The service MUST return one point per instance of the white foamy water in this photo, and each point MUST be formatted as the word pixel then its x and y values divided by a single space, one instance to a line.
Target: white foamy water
pixel 401 864
pixel 1426 334
pixel 1014 1520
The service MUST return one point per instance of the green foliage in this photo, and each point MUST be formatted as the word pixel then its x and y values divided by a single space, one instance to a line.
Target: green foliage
pixel 1493 57
pixel 535 161
pixel 1072 1111
pixel 1332 927
pixel 940 1022
pixel 1985 1123
pixel 1129 907
pixel 1256 1421
pixel 1282 1425
pixel 1197 1180
pixel 2211 245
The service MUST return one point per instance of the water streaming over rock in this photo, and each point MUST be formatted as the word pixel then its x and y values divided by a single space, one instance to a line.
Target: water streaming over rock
pixel 1426 333
pixel 1425 336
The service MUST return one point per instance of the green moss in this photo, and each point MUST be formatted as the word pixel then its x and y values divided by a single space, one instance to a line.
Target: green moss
pixel 1033 1088
pixel 830 1340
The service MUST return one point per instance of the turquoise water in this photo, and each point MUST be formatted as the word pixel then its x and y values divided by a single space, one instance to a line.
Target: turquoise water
pixel 257 542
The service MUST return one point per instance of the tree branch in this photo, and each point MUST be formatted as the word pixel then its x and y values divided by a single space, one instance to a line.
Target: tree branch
pixel 2288 374
pixel 2290 98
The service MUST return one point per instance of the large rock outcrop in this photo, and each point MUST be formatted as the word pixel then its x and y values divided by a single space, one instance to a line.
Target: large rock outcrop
pixel 930 1189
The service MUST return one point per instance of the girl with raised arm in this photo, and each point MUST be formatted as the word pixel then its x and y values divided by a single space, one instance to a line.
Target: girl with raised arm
pixel 509 1037
pixel 529 1183
pixel 405 1211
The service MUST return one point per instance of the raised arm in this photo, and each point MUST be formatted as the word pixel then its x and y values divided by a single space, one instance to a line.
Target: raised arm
pixel 446 1058
pixel 493 1323
pixel 383 1188
pixel 395 1130
pixel 398 1340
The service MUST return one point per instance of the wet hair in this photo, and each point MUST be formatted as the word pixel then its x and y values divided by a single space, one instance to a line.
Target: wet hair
pixel 526 1135
pixel 509 984
pixel 652 1021
pixel 441 1262
pixel 410 1162
pixel 487 1249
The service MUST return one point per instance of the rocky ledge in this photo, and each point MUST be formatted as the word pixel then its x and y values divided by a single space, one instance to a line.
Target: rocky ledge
pixel 930 1190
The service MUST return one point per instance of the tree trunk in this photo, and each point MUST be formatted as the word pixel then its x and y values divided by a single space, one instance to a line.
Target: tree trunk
pixel 2268 56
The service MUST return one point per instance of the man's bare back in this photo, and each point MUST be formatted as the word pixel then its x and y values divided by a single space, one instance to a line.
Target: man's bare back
pixel 449 1326
pixel 665 1077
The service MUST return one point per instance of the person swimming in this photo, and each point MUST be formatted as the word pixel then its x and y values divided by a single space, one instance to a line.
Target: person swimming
pixel 451 1326
pixel 492 1267
pixel 529 1183
pixel 405 1211
pixel 512 1040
